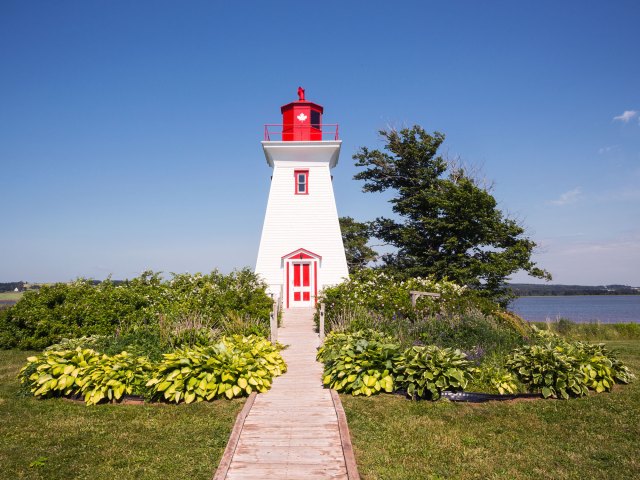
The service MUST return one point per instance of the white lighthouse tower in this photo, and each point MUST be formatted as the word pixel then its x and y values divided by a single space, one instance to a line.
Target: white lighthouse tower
pixel 301 248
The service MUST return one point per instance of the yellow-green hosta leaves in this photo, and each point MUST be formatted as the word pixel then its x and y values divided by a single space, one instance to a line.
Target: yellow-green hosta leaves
pixel 234 367
pixel 111 377
pixel 498 378
pixel 426 371
pixel 57 373
pixel 359 363
pixel 558 368
pixel 368 362
pixel 85 372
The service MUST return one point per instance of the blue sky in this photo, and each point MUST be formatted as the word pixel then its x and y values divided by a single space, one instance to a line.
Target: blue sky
pixel 130 131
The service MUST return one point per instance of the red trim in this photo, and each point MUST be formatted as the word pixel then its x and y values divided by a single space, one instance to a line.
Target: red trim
pixel 304 252
pixel 288 293
pixel 306 181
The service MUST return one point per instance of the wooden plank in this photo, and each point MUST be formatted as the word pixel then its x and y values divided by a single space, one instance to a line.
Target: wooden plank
pixel 227 456
pixel 293 431
pixel 345 437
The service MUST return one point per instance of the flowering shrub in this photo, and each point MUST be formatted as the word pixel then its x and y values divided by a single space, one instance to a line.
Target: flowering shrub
pixel 81 308
pixel 379 292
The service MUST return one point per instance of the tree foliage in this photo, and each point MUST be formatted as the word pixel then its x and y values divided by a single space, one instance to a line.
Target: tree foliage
pixel 355 236
pixel 447 225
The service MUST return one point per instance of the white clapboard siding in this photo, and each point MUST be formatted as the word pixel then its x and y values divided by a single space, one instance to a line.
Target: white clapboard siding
pixel 301 221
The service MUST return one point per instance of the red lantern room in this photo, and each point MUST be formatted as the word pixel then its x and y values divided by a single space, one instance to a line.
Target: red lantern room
pixel 301 120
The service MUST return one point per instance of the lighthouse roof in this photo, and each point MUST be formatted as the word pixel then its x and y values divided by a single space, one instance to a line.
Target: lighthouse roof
pixel 302 103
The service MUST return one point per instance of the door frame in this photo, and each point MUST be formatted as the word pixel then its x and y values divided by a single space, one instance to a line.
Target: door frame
pixel 301 255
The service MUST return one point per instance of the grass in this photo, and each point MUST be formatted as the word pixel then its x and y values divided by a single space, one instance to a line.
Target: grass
pixel 592 437
pixel 592 330
pixel 58 439
pixel 10 296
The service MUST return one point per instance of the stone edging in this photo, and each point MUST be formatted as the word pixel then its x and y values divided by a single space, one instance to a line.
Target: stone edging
pixel 234 438
pixel 345 438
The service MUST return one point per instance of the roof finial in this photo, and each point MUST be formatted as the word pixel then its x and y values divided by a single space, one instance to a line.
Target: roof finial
pixel 301 94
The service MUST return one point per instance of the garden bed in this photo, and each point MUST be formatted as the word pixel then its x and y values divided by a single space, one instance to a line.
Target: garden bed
pixel 57 439
pixel 595 436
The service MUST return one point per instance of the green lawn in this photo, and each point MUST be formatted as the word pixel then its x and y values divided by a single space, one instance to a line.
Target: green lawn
pixel 595 437
pixel 58 439
pixel 11 296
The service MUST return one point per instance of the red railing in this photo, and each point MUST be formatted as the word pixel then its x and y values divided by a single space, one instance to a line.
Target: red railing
pixel 273 131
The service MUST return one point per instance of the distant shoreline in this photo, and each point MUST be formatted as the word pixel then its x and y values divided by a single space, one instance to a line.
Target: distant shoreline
pixel 581 295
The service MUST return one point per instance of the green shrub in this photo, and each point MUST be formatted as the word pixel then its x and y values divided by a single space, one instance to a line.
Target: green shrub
pixel 371 299
pixel 85 342
pixel 8 331
pixel 83 308
pixel 379 292
pixel 426 371
pixel 234 367
pixel 143 341
pixel 471 331
pixel 335 341
pixel 361 363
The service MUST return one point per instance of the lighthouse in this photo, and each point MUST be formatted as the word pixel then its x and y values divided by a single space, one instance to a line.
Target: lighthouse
pixel 301 249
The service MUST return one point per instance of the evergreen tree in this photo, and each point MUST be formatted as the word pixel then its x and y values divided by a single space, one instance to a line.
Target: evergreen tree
pixel 355 236
pixel 447 225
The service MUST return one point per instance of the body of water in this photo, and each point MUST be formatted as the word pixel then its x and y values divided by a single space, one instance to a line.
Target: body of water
pixel 579 308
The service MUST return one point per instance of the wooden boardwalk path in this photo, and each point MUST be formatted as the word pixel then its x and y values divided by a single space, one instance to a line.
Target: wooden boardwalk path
pixel 297 430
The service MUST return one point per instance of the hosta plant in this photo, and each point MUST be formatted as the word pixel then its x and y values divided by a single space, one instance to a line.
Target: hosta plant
pixel 334 342
pixel 499 379
pixel 234 367
pixel 111 377
pixel 426 371
pixel 56 373
pixel 563 369
pixel 360 363
pixel 85 372
pixel 600 366
pixel 548 369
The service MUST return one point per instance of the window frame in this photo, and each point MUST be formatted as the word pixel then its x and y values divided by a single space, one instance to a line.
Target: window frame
pixel 297 184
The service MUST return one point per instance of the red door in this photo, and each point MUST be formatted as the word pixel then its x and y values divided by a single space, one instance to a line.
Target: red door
pixel 301 287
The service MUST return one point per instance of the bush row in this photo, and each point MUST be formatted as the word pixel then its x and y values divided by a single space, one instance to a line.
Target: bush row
pixel 368 362
pixel 372 299
pixel 232 367
pixel 179 308
pixel 375 290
